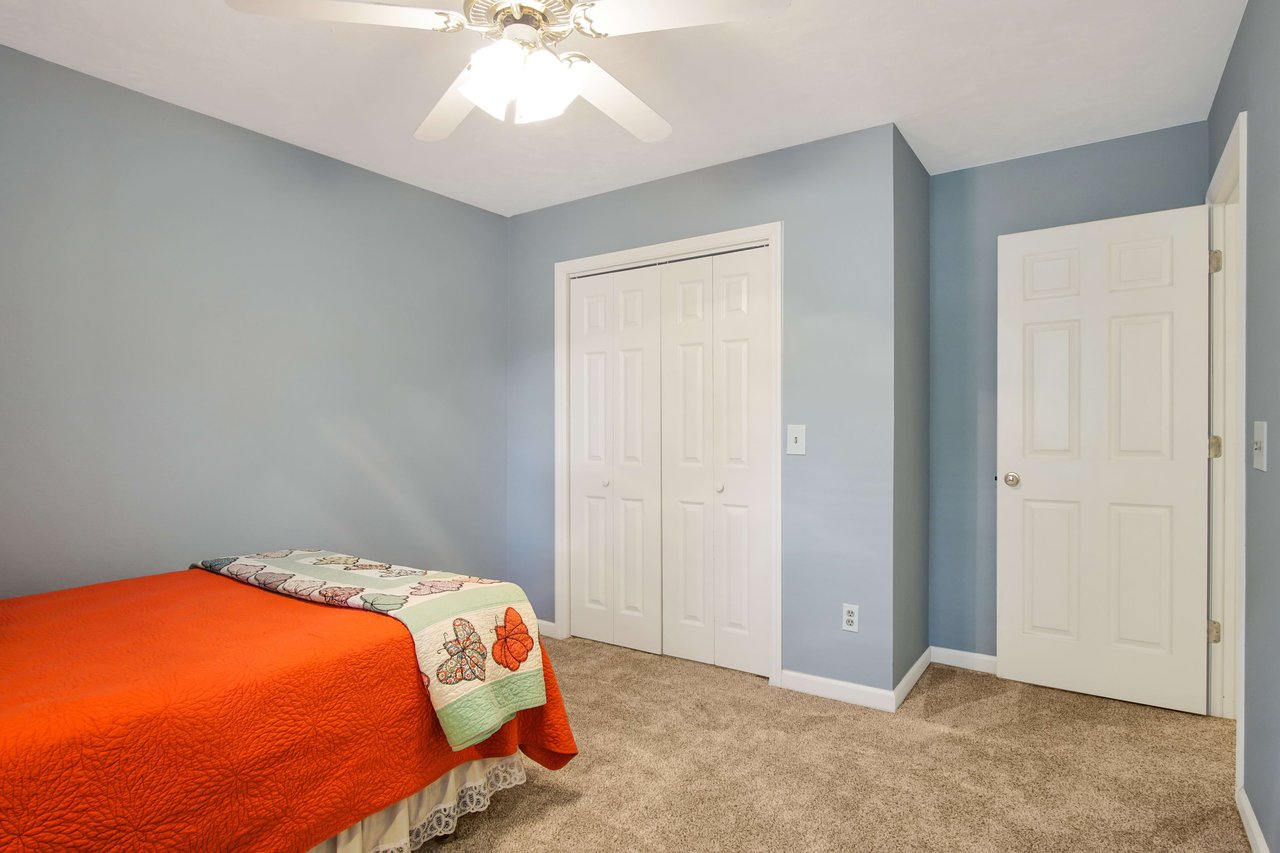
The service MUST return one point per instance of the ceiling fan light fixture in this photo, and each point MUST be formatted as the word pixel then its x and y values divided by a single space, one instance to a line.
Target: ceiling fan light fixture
pixel 495 77
pixel 520 65
pixel 547 88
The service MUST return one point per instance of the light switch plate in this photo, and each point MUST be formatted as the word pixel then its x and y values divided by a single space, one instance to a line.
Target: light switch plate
pixel 795 440
pixel 1260 445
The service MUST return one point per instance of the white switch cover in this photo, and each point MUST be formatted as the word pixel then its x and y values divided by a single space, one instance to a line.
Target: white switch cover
pixel 1260 445
pixel 849 617
pixel 795 439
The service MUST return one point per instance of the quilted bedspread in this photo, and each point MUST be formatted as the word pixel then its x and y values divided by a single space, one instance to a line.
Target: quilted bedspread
pixel 476 639
pixel 186 711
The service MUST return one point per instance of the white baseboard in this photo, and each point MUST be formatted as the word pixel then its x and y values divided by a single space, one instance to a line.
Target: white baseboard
pixel 909 680
pixel 841 691
pixel 1250 820
pixel 552 630
pixel 855 694
pixel 964 660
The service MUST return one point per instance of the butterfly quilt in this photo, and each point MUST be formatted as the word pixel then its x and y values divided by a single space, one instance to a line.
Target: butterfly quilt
pixel 476 639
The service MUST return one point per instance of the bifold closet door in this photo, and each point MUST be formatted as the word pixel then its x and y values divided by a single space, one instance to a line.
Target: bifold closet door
pixel 688 553
pixel 717 507
pixel 615 558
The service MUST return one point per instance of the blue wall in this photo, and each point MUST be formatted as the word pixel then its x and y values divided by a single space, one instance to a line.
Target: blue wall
pixel 833 197
pixel 214 342
pixel 970 208
pixel 910 408
pixel 1251 82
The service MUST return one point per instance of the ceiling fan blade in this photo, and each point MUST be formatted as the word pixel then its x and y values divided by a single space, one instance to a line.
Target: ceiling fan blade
pixel 448 112
pixel 601 18
pixel 617 101
pixel 356 12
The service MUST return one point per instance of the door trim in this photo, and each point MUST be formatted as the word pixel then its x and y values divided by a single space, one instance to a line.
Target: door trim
pixel 1227 543
pixel 768 235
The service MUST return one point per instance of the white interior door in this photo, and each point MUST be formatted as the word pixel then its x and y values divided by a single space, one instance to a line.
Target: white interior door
pixel 615 558
pixel 592 352
pixel 742 445
pixel 1103 419
pixel 717 481
pixel 671 459
pixel 688 474
pixel 637 468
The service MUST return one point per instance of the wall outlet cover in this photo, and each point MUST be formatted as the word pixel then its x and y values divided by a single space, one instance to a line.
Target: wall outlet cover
pixel 849 617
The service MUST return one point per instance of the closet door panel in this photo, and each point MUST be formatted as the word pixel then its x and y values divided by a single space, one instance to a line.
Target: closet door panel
pixel 592 356
pixel 688 612
pixel 741 468
pixel 637 462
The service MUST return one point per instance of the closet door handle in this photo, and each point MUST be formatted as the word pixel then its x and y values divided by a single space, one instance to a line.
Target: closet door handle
pixel 720 489
pixel 605 484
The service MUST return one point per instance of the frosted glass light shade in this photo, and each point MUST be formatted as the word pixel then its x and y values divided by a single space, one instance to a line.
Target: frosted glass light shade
pixel 496 72
pixel 538 81
pixel 546 89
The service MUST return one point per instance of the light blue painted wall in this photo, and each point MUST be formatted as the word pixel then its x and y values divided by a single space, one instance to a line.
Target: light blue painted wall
pixel 970 208
pixel 834 197
pixel 1251 82
pixel 910 408
pixel 214 342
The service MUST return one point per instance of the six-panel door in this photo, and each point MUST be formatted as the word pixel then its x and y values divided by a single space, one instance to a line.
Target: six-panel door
pixel 1102 447
pixel 688 460
pixel 717 507
pixel 742 381
pixel 671 494
pixel 615 556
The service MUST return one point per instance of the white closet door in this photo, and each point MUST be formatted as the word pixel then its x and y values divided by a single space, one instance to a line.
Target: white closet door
pixel 592 352
pixel 615 559
pixel 688 599
pixel 637 469
pixel 742 474
pixel 670 442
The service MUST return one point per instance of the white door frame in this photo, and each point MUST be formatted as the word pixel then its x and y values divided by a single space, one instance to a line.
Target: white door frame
pixel 1227 505
pixel 770 235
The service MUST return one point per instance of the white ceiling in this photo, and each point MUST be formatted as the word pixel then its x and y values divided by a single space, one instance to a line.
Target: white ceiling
pixel 968 81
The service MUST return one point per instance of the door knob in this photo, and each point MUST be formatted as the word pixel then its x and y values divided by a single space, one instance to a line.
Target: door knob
pixel 720 489
pixel 1012 478
pixel 605 484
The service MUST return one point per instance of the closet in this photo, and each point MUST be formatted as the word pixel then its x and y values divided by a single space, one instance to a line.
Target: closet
pixel 671 465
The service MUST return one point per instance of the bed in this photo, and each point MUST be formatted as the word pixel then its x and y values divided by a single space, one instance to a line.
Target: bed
pixel 188 711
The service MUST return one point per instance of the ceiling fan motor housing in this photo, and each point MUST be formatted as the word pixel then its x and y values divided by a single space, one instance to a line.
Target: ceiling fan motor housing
pixel 548 21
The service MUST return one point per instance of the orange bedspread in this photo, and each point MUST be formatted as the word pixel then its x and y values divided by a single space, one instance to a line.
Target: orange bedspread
pixel 186 711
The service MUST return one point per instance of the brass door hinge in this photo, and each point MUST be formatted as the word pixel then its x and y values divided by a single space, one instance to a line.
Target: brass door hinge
pixel 1215 261
pixel 1215 447
pixel 1215 631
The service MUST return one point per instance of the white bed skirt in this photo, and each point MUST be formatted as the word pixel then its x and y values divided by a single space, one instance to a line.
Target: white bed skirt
pixel 410 823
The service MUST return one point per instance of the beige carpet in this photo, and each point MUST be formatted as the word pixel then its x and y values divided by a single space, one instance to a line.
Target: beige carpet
pixel 682 756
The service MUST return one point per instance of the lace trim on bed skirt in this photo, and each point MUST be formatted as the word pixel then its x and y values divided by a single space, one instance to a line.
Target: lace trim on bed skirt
pixel 475 797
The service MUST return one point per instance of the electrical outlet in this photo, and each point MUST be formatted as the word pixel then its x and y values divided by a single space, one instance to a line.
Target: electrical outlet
pixel 849 620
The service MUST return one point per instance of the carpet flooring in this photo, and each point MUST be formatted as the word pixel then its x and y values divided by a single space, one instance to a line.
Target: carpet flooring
pixel 677 755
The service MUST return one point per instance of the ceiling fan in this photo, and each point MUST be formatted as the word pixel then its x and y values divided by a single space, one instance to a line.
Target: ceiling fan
pixel 521 66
